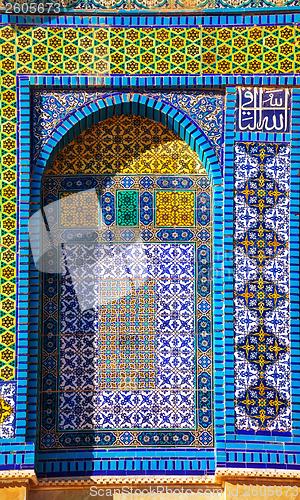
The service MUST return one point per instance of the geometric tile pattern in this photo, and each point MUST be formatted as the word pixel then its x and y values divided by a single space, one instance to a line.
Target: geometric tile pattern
pixel 62 50
pixel 204 50
pixel 143 334
pixel 168 154
pixel 80 210
pixel 154 50
pixel 127 208
pixel 175 208
pixel 173 50
pixel 127 356
pixel 259 49
pixel 262 359
pixel 147 342
pixel 127 337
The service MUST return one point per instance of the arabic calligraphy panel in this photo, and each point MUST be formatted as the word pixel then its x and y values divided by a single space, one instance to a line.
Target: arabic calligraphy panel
pixel 263 110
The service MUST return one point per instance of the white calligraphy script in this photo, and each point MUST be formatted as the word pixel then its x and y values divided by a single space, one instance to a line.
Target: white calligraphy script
pixel 262 109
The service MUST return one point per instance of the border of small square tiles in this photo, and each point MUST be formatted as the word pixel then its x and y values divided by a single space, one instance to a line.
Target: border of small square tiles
pixel 233 457
pixel 27 313
pixel 230 103
pixel 146 19
pixel 154 82
pixel 120 463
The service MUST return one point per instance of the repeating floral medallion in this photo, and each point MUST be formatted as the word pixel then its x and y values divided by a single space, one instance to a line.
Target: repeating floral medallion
pixel 263 393
pixel 126 337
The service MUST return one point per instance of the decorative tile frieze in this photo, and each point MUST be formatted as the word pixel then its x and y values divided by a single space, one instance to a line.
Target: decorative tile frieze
pixel 155 50
pixel 177 6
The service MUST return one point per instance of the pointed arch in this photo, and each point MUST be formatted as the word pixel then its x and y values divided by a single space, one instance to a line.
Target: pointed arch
pixel 134 104
pixel 174 120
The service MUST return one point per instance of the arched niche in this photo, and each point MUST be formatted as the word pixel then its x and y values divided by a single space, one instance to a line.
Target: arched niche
pixel 127 321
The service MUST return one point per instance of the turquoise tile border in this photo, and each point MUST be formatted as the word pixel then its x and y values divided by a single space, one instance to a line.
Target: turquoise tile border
pixel 143 19
pixel 176 121
pixel 230 449
pixel 228 255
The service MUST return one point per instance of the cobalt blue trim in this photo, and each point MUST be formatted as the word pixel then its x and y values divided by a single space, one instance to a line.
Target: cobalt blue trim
pixel 139 104
pixel 276 452
pixel 279 16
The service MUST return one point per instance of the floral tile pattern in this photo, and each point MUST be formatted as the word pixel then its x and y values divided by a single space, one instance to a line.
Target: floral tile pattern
pixel 7 410
pixel 263 393
pixel 127 324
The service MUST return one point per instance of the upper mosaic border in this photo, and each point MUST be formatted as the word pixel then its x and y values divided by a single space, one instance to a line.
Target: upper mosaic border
pixel 161 6
pixel 271 49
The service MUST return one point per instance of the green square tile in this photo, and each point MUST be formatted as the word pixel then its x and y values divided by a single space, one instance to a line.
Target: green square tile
pixel 127 208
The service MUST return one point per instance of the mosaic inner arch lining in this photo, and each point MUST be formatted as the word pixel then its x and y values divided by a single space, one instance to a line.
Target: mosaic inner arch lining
pixel 126 340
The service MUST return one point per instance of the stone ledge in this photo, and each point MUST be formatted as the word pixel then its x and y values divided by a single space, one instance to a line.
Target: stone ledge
pixel 119 481
pixel 237 473
pixel 18 477
pixel 222 475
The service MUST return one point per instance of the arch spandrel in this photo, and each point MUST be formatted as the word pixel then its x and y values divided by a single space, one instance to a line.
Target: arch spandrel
pixel 138 105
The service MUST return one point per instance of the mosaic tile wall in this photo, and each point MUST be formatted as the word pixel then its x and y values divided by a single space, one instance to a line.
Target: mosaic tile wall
pixel 203 108
pixel 65 66
pixel 129 357
pixel 262 333
pixel 155 50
